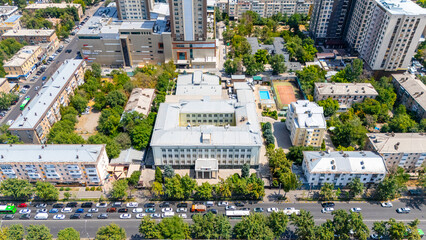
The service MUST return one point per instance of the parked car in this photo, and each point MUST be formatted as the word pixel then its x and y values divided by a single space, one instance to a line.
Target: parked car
pixel 327 204
pixel 403 210
pixel 8 217
pixel 150 210
pixel 58 205
pixel 71 204
pixel 101 205
pixel 66 210
pixel 167 209
pixel 155 215
pixel 327 210
pixel 54 210
pixel 103 216
pixel 25 216
pixel 117 204
pixel 123 210
pixel 151 205
pixel 137 210
pixel 88 215
pixel 214 211
pixel 80 210
pixel 41 216
pixel 230 208
pixel 386 204
pixel 355 209
pixel 132 205
pixel 111 209
pixel 41 210
pixel 125 216
pixel 75 216
pixel 87 205
pixel 93 210
pixel 180 210
pixel 239 204
pixel 269 210
pixel 59 217
pixel 258 209
pixel 140 215
pixel 222 203
pixel 41 205
pixel 164 205
pixel 22 205
pixel 25 211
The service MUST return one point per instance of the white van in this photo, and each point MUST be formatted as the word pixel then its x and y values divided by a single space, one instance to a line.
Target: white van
pixel 209 204
pixel 167 214
pixel 41 216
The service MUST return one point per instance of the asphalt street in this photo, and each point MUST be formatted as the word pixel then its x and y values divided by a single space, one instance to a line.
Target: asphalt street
pixel 371 212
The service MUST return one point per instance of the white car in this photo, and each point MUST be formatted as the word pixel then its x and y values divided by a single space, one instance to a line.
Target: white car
pixel 155 215
pixel 180 210
pixel 272 209
pixel 101 205
pixel 355 209
pixel 132 205
pixel 183 215
pixel 327 210
pixel 403 210
pixel 140 215
pixel 386 204
pixel 230 208
pixel 66 210
pixel 41 216
pixel 167 209
pixel 222 203
pixel 25 210
pixel 93 210
pixel 59 217
pixel 137 210
pixel 289 209
pixel 41 210
pixel 126 216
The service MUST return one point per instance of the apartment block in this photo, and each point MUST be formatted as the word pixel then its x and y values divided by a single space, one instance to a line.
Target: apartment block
pixel 36 120
pixel 4 86
pixel 134 10
pixel 306 123
pixel 32 36
pixel 55 163
pixel 36 6
pixel 140 100
pixel 411 93
pixel 345 93
pixel 21 65
pixel 359 22
pixel 206 134
pixel 236 9
pixel 12 23
pixel 406 150
pixel 340 168
pixel 7 11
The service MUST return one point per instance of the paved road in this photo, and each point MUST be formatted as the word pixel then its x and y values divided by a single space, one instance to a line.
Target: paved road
pixel 371 212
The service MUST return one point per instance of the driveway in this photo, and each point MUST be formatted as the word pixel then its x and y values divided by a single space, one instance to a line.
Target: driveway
pixel 282 136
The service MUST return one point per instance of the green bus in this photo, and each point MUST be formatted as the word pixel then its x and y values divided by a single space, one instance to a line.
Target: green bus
pixel 6 209
pixel 24 103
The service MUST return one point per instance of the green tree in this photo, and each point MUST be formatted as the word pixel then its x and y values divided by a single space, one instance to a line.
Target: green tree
pixel 79 103
pixel 389 188
pixel 174 228
pixel 308 76
pixel 116 98
pixel 6 100
pixel 349 133
pixel 380 228
pixel 96 70
pixel 252 67
pixel 148 229
pixel 295 153
pixel 16 188
pixel 168 171
pixel 278 64
pixel 119 189
pixel 356 187
pixel 67 195
pixel 173 188
pixel 396 230
pixel 231 66
pixel 204 191
pixel 210 226
pixel 358 227
pixel 158 175
pixel 112 148
pixel 327 191
pixel 46 191
pixel 254 226
pixel 109 121
pixel 304 223
pixel 111 232
pixel 38 232
pixel 15 232
pixel 223 189
pixel 261 56
pixel 277 222
pixel 188 185
pixel 68 234
pixel 157 188
pixel 245 171
pixel 330 106
pixel 134 178
pixel 123 140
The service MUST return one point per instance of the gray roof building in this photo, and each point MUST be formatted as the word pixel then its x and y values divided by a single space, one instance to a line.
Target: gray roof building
pixel 198 83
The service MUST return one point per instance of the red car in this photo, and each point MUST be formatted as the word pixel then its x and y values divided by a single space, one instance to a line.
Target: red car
pixel 22 205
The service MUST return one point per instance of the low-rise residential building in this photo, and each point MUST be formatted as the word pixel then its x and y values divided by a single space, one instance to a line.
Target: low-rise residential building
pixel 340 168
pixel 55 163
pixel 12 23
pixel 306 123
pixel 36 6
pixel 264 8
pixel 7 11
pixel 406 150
pixel 345 93
pixel 198 83
pixel 4 86
pixel 129 161
pixel 34 123
pixel 23 62
pixel 140 100
pixel 411 93
pixel 206 134
pixel 33 36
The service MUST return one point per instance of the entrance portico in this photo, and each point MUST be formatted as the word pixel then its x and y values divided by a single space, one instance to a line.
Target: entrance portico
pixel 206 168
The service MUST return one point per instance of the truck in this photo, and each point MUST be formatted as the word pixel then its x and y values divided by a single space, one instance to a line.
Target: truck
pixel 198 208
pixel 290 211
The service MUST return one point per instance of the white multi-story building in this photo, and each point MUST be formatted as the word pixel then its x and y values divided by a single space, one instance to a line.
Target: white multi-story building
pixel 57 163
pixel 345 93
pixel 392 33
pixel 306 123
pixel 207 134
pixel 340 168
pixel 134 10
pixel 406 150
pixel 264 8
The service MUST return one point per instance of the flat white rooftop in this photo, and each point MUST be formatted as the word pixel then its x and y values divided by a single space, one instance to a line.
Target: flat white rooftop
pixel 198 83
pixel 52 5
pixel 398 142
pixel 402 7
pixel 29 32
pixel 21 56
pixel 345 89
pixel 50 153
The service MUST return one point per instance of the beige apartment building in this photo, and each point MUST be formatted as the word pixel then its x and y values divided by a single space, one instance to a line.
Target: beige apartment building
pixel 36 6
pixel 411 93
pixel 7 11
pixel 4 86
pixel 140 100
pixel 406 150
pixel 345 93
pixel 56 163
pixel 264 8
pixel 134 10
pixel 12 23
pixel 23 62
pixel 33 36
pixel 35 121
pixel 306 123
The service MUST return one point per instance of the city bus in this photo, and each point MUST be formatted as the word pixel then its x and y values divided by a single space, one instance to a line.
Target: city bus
pixel 237 213
pixel 6 209
pixel 24 103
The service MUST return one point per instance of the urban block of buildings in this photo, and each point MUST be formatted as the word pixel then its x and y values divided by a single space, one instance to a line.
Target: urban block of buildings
pixel 198 83
pixel 55 163
pixel 12 23
pixel 340 168
pixel 46 37
pixel 36 6
pixel 38 117
pixel 7 11
pixel 411 93
pixel 406 150
pixel 345 93
pixel 140 100
pixel 21 65
pixel 385 33
pixel 306 123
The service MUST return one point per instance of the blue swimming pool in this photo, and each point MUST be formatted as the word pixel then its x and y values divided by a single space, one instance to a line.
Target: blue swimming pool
pixel 264 95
